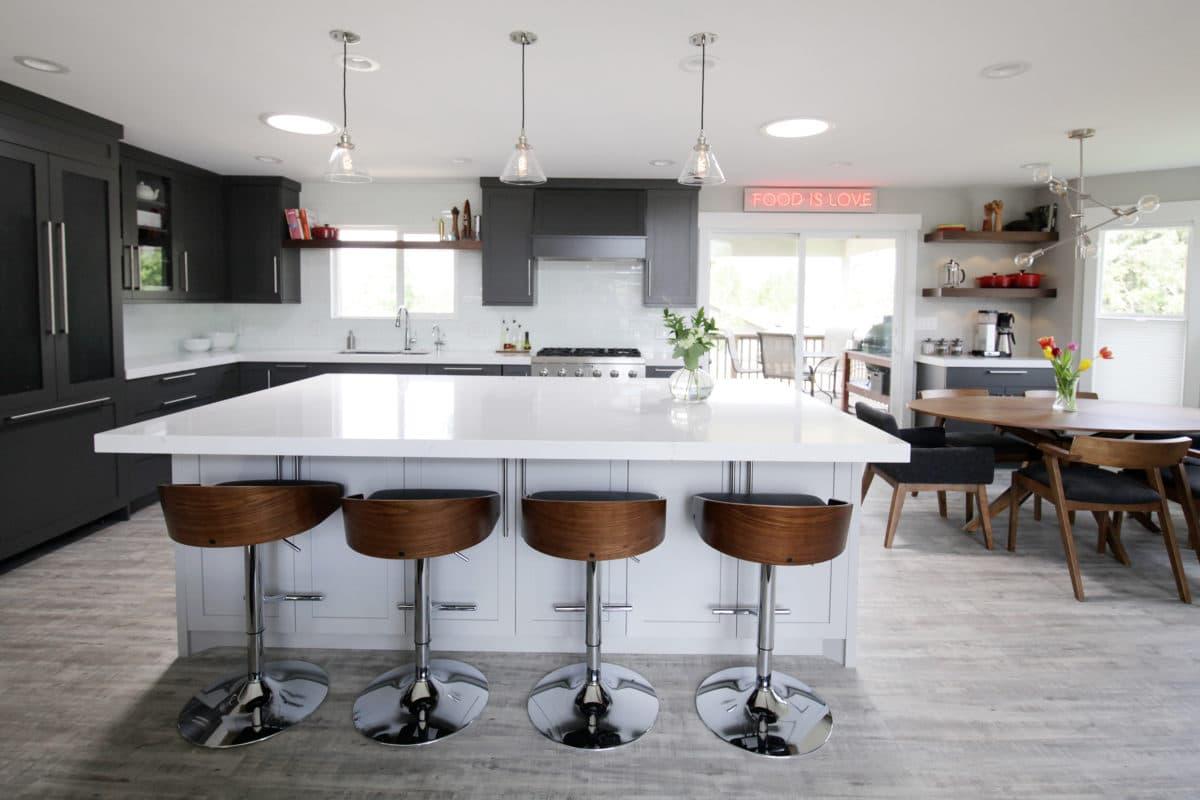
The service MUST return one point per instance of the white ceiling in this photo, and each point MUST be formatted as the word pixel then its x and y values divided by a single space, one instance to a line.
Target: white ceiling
pixel 898 78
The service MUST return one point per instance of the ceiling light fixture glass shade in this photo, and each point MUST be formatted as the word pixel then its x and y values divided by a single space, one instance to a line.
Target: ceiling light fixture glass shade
pixel 523 167
pixel 701 167
pixel 1076 200
pixel 343 168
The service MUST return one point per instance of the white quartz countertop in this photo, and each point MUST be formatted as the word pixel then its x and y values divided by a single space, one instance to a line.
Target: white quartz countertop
pixel 980 361
pixel 149 366
pixel 427 416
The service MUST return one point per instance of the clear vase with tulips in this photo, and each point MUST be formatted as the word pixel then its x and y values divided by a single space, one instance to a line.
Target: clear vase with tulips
pixel 1066 371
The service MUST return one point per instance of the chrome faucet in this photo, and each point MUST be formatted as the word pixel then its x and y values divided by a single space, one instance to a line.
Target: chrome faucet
pixel 402 321
pixel 439 338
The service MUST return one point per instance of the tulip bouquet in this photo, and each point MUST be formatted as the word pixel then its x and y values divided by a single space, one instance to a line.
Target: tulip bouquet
pixel 1066 373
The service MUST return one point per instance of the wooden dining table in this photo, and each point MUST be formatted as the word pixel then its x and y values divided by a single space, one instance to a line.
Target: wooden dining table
pixel 1034 419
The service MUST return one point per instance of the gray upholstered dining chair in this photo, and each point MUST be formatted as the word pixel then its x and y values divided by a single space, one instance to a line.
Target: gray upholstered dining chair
pixel 777 352
pixel 933 467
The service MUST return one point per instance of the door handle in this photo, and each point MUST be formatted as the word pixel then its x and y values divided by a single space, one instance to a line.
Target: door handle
pixel 178 400
pixel 529 277
pixel 742 611
pixel 178 377
pixel 291 366
pixel 603 607
pixel 275 271
pixel 50 275
pixel 62 266
pixel 1008 372
pixel 57 409
pixel 649 276
pixel 186 282
pixel 135 267
pixel 463 369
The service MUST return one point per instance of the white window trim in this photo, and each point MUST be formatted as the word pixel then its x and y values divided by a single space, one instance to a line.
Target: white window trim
pixel 400 255
pixel 904 228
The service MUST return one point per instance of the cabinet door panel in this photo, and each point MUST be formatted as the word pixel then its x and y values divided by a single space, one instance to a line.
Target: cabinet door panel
pixel 663 605
pixel 27 357
pixel 509 277
pixel 199 224
pixel 84 205
pixel 671 247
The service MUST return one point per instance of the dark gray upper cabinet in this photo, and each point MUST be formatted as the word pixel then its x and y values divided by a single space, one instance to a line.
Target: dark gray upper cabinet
pixel 200 255
pixel 589 212
pixel 672 242
pixel 260 269
pixel 508 268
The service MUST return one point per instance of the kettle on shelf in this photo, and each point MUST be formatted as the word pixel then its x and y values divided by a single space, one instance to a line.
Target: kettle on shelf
pixel 953 274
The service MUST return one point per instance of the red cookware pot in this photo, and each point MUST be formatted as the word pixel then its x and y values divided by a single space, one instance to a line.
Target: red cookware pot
pixel 1004 281
pixel 324 232
pixel 1028 280
pixel 986 281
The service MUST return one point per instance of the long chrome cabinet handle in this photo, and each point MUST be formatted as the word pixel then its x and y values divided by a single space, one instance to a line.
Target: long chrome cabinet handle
pixel 57 409
pixel 649 276
pixel 463 369
pixel 178 400
pixel 179 377
pixel 50 274
pixel 186 282
pixel 440 606
pixel 275 272
pixel 529 276
pixel 311 597
pixel 603 607
pixel 62 271
pixel 741 611
pixel 1008 372
pixel 291 366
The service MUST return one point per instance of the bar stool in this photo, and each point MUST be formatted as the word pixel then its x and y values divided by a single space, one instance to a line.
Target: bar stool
pixel 268 698
pixel 593 705
pixel 430 699
pixel 780 716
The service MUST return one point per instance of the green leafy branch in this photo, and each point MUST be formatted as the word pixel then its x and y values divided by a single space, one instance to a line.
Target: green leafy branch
pixel 692 336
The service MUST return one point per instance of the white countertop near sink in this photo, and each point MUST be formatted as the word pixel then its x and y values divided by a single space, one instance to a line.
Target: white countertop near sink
pixel 149 366
pixel 437 416
pixel 981 361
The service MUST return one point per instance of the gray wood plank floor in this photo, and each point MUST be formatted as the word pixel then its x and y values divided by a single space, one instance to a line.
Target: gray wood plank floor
pixel 979 676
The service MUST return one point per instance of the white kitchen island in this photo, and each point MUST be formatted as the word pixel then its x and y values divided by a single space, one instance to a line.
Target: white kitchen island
pixel 514 436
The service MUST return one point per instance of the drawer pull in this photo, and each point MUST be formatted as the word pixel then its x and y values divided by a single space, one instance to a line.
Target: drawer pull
pixel 440 606
pixel 309 597
pixel 179 377
pixel 463 369
pixel 1008 372
pixel 178 400
pixel 291 366
pixel 603 607
pixel 57 409
pixel 743 611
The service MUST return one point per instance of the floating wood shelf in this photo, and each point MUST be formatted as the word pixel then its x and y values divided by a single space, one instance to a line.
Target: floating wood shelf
pixel 993 237
pixel 337 244
pixel 995 294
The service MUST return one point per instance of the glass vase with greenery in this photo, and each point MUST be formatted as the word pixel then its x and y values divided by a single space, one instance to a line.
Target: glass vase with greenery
pixel 691 337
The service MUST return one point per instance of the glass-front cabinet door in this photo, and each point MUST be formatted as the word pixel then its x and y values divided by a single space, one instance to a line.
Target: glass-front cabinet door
pixel 27 352
pixel 85 209
pixel 148 226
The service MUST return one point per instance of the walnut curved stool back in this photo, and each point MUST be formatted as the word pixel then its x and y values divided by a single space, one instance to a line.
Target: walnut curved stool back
pixel 432 698
pixel 269 697
pixel 593 705
pixel 781 716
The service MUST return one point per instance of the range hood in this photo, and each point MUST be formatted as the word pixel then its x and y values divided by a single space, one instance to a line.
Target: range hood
pixel 589 248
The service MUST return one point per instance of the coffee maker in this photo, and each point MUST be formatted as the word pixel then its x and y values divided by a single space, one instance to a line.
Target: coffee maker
pixel 993 334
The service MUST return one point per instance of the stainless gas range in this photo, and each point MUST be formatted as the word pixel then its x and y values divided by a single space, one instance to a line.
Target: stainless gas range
pixel 588 362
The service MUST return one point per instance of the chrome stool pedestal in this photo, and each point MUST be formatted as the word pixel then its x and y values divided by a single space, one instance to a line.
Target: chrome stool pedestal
pixel 265 700
pixel 593 705
pixel 425 701
pixel 760 711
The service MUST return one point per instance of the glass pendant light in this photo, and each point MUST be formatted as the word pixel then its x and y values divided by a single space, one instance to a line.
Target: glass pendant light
pixel 523 168
pixel 341 160
pixel 701 167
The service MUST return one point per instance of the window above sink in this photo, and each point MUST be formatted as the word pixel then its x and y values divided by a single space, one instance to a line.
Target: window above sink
pixel 372 283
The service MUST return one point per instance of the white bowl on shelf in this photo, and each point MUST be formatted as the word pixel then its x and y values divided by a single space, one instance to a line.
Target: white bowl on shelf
pixel 197 345
pixel 222 340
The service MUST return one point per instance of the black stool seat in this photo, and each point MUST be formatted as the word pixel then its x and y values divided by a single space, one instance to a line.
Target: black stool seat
pixel 762 499
pixel 285 482
pixel 570 496
pixel 429 494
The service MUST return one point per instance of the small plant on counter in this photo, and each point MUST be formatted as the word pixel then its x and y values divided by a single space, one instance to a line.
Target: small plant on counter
pixel 691 337
pixel 1066 373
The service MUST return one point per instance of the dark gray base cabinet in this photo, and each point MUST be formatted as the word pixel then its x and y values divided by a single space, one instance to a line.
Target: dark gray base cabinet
pixel 999 380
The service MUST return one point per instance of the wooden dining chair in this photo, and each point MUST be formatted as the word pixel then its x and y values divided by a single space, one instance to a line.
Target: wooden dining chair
pixel 1073 480
pixel 1051 394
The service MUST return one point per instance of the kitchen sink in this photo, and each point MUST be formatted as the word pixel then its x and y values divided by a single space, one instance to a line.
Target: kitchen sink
pixel 384 352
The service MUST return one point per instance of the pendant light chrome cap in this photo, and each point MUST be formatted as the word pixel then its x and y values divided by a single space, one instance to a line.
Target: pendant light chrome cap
pixel 523 167
pixel 702 168
pixel 342 161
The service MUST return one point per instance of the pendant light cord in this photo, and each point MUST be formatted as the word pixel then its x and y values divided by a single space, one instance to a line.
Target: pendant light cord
pixel 703 67
pixel 345 107
pixel 524 43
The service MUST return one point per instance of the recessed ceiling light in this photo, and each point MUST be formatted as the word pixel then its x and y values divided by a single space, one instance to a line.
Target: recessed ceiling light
pixel 298 123
pixel 460 160
pixel 40 64
pixel 357 63
pixel 662 162
pixel 269 159
pixel 1005 69
pixel 795 128
pixel 692 63
pixel 841 163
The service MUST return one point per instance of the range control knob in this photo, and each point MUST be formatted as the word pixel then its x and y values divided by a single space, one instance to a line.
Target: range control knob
pixel 562 372
pixel 633 373
pixel 596 373
pixel 543 372
pixel 614 374
pixel 579 372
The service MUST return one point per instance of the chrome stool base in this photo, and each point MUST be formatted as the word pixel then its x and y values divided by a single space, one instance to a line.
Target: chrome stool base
pixel 631 712
pixel 787 719
pixel 388 711
pixel 233 711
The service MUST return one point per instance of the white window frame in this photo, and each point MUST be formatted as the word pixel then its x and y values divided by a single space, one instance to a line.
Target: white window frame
pixel 904 228
pixel 401 253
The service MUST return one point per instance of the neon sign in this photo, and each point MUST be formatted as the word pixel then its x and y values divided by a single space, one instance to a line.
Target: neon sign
pixel 809 199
